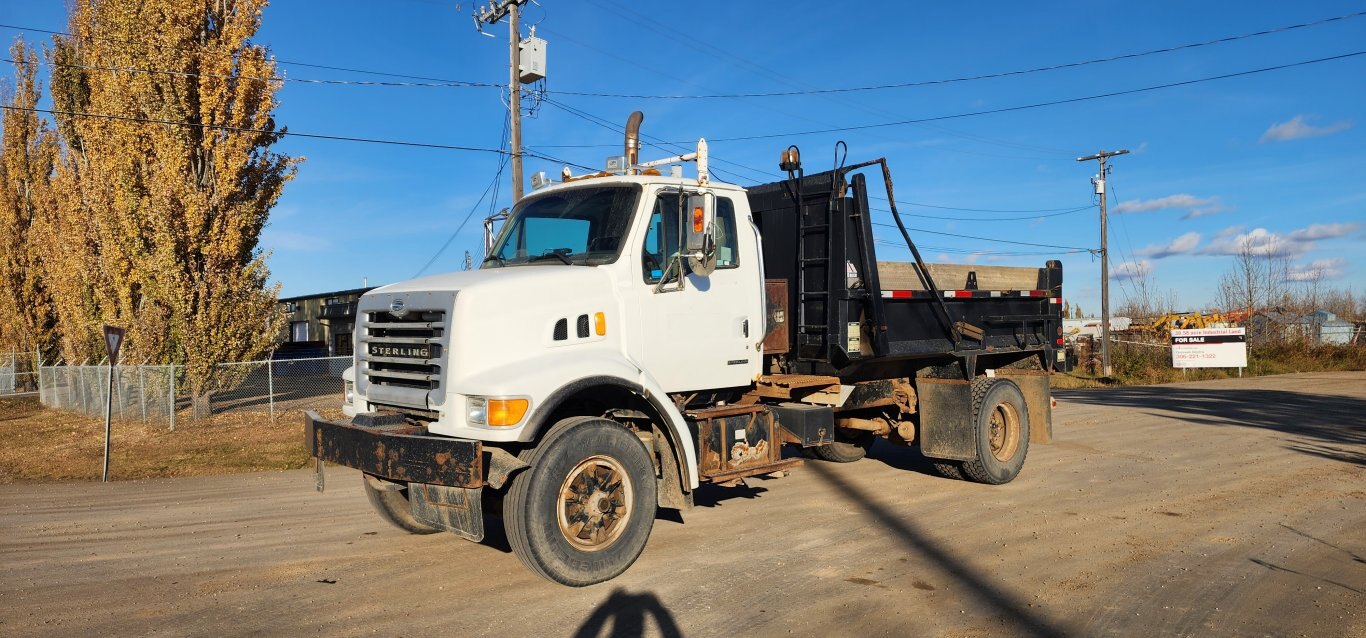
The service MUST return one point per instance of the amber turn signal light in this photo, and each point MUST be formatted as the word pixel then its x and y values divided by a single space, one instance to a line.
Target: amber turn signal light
pixel 505 412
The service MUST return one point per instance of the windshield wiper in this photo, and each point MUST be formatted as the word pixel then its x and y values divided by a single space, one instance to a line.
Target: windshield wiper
pixel 549 255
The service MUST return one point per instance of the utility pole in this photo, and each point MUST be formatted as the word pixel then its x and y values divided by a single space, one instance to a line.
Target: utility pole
pixel 491 15
pixel 1099 182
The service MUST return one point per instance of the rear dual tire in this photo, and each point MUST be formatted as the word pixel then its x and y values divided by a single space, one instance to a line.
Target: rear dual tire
pixel 1001 420
pixel 847 447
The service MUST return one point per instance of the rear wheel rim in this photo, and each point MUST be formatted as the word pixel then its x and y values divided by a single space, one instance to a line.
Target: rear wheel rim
pixel 595 503
pixel 1003 431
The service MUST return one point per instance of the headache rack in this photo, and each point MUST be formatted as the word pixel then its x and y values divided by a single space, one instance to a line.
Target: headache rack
pixel 850 313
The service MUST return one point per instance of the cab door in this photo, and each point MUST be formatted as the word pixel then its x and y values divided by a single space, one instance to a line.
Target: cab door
pixel 704 333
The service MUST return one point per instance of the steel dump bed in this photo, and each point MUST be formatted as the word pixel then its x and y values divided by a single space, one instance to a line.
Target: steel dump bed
pixel 836 309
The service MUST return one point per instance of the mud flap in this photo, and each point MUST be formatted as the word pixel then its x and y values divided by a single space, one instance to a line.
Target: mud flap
pixel 946 425
pixel 1034 386
pixel 458 510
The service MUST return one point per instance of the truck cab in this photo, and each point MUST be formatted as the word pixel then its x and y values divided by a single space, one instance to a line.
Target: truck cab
pixel 575 287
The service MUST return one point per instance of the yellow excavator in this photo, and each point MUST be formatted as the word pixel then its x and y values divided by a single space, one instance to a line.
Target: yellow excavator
pixel 1163 325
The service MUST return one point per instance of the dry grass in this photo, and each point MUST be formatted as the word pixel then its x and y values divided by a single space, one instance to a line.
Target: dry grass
pixel 51 445
pixel 1147 365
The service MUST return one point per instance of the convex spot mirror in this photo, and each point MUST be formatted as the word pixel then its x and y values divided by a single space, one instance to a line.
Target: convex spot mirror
pixel 699 219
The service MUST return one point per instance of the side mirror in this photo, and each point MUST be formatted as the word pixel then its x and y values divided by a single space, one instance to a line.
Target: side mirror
pixel 699 218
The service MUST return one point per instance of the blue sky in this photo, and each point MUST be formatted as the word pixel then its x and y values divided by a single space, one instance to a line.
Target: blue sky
pixel 1277 157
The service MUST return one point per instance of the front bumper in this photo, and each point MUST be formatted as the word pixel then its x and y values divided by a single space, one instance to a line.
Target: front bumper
pixel 407 454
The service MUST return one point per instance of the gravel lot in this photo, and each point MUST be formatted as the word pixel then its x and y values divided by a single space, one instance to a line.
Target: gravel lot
pixel 1233 507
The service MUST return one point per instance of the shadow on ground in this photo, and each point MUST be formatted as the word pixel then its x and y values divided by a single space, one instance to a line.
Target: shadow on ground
pixel 625 615
pixel 1327 426
pixel 1011 609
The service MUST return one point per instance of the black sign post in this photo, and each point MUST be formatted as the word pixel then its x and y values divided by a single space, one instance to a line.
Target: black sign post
pixel 113 340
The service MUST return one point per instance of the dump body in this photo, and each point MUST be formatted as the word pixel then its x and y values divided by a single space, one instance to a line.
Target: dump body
pixel 853 316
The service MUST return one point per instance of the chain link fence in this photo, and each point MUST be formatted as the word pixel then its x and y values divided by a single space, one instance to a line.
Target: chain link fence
pixel 154 393
pixel 281 385
pixel 141 392
pixel 18 373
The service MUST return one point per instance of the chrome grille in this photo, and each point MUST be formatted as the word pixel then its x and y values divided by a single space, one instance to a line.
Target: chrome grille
pixel 404 352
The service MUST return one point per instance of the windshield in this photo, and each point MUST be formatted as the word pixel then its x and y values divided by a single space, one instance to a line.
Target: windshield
pixel 583 226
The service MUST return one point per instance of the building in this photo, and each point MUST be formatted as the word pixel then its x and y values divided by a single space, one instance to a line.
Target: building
pixel 1320 326
pixel 321 324
pixel 1325 327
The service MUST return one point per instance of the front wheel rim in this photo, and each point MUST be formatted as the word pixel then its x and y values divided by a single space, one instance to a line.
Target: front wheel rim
pixel 595 503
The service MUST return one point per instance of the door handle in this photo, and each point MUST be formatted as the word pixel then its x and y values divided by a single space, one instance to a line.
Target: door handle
pixel 744 326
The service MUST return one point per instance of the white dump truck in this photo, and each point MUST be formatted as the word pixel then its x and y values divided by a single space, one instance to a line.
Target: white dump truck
pixel 634 334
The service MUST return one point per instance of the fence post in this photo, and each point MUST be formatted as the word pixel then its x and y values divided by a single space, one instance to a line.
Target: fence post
pixel 270 386
pixel 123 394
pixel 142 390
pixel 171 393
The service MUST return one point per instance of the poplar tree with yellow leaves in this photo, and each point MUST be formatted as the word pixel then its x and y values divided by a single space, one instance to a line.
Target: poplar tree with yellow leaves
pixel 28 151
pixel 165 181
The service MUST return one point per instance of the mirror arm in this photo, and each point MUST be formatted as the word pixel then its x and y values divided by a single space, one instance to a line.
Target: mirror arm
pixel 675 264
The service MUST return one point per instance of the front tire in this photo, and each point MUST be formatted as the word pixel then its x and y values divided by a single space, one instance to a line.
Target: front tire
pixel 391 501
pixel 583 511
pixel 1001 420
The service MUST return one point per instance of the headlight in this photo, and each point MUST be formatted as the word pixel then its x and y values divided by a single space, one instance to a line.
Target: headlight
pixel 350 392
pixel 477 410
pixel 496 412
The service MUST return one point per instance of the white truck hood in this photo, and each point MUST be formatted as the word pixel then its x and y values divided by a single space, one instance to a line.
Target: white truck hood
pixel 551 274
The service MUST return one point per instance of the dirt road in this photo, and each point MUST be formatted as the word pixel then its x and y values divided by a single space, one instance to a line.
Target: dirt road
pixel 1219 508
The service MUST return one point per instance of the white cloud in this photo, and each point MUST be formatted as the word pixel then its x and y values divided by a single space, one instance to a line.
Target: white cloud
pixel 1323 231
pixel 1319 269
pixel 1230 231
pixel 1264 243
pixel 1132 270
pixel 1296 129
pixel 1195 206
pixel 1182 245
pixel 1204 211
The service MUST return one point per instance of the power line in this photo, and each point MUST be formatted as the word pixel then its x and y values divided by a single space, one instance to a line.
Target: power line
pixel 1022 107
pixel 439 82
pixel 984 219
pixel 986 76
pixel 277 60
pixel 970 251
pixel 999 241
pixel 669 32
pixel 496 176
pixel 1055 212
pixel 659 144
pixel 492 187
pixel 1061 211
pixel 252 77
pixel 281 132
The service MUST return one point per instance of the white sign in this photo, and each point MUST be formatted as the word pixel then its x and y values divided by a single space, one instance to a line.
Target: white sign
pixel 1209 348
pixel 113 340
